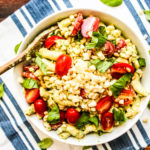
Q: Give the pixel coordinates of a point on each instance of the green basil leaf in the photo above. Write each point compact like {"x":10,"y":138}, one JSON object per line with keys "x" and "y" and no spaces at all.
{"x":86,"y":147}
{"x":79,"y":36}
{"x":142,"y":62}
{"x":30,"y":83}
{"x":112,"y":3}
{"x":45,"y":143}
{"x":120,"y":84}
{"x":113,"y":42}
{"x":17,"y":47}
{"x":102,"y":30}
{"x":94,"y":120}
{"x":119,"y":115}
{"x":99,"y":132}
{"x":102,"y":65}
{"x":40,"y":63}
{"x":1,"y":90}
{"x":53,"y":115}
{"x":147,"y":14}
{"x":83,"y":120}
{"x":148,"y":104}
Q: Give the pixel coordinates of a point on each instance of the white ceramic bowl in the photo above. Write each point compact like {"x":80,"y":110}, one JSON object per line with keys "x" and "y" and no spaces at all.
{"x":106,"y":17}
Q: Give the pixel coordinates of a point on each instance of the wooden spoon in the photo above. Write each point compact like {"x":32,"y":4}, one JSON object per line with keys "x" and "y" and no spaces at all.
{"x":36,"y":44}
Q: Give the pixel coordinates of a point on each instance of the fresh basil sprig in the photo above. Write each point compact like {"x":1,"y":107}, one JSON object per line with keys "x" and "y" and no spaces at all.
{"x":40,"y":63}
{"x":112,"y":3}
{"x":1,"y":90}
{"x":102,"y":65}
{"x":30,"y":83}
{"x":147,"y":14}
{"x":120,"y":84}
{"x":45,"y":143}
{"x":53,"y":115}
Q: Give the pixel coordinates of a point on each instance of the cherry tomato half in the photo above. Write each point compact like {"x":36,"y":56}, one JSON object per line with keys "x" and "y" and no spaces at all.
{"x":72,"y":116}
{"x":90,"y":24}
{"x":78,"y":23}
{"x":51,"y":41}
{"x":109,"y":49}
{"x":121,"y":44}
{"x":40,"y":107}
{"x":119,"y":69}
{"x":104,"y":104}
{"x":127,"y":96}
{"x":82,"y":93}
{"x":32,"y":95}
{"x":29,"y":75}
{"x":63,"y":64}
{"x":107,"y":120}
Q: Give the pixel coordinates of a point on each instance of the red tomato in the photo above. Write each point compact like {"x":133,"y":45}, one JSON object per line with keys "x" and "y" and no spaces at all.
{"x":78,"y":23}
{"x":82,"y":93}
{"x":127,"y":96}
{"x":121,"y":44}
{"x":62,"y":116}
{"x":109,"y":48}
{"x":119,"y":69}
{"x":28,"y":68}
{"x":51,"y":41}
{"x":29,"y":75}
{"x":32,"y":95}
{"x":107,"y":120}
{"x":90,"y":24}
{"x":63,"y":64}
{"x":40,"y":107}
{"x":72,"y":116}
{"x":104,"y":104}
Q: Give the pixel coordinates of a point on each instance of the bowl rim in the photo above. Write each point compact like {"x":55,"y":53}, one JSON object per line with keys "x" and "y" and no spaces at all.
{"x":94,"y":10}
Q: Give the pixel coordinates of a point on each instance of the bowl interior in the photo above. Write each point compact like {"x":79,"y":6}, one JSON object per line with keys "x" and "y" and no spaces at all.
{"x":91,"y":139}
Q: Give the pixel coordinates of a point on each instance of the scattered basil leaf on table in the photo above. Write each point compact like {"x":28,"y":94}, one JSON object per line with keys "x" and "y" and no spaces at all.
{"x":120,"y":84}
{"x":147,"y":14}
{"x":102,"y":65}
{"x":148,"y":104}
{"x":142,"y":62}
{"x":30,"y":83}
{"x":112,"y":3}
{"x":40,"y":63}
{"x":119,"y":115}
{"x":17,"y":47}
{"x":53,"y":115}
{"x":94,"y":120}
{"x":45,"y":143}
{"x":1,"y":90}
{"x":86,"y":147}
{"x":83,"y":120}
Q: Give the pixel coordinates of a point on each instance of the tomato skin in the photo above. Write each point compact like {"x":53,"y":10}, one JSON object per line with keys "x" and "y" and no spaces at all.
{"x":78,"y":23}
{"x":28,"y":68}
{"x":121,"y":44}
{"x":109,"y":49}
{"x":82,"y":93}
{"x":40,"y":107}
{"x":63,"y":64}
{"x":72,"y":116}
{"x":62,"y":116}
{"x":107,"y":120}
{"x":32,"y":95}
{"x":104,"y":104}
{"x":127,"y":96}
{"x":90,"y":24}
{"x":29,"y":75}
{"x":51,"y":41}
{"x":119,"y":69}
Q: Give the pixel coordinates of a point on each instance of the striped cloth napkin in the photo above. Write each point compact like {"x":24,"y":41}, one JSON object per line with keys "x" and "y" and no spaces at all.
{"x":16,"y":131}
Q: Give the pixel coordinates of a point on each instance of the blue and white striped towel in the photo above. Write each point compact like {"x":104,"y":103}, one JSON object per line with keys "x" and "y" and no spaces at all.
{"x":16,"y":132}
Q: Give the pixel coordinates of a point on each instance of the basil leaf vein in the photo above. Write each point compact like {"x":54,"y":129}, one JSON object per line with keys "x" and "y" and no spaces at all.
{"x":40,"y":63}
{"x":45,"y":143}
{"x":53,"y":115}
{"x":120,"y":84}
{"x":30,"y":83}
